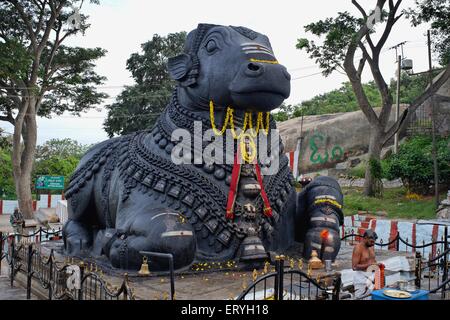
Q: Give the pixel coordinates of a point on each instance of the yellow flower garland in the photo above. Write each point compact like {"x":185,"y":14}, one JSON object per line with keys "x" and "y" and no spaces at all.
{"x":213,"y":124}
{"x":248,"y":122}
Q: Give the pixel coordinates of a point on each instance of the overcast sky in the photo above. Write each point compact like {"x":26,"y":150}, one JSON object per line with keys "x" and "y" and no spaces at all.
{"x":121,"y":26}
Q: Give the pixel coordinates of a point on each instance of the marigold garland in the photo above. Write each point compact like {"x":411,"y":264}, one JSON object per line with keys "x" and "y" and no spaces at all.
{"x":248,"y":122}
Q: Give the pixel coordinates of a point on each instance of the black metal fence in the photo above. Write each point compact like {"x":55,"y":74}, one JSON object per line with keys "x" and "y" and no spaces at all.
{"x":290,"y":285}
{"x":169,"y":257}
{"x":66,"y":280}
{"x":394,"y":243}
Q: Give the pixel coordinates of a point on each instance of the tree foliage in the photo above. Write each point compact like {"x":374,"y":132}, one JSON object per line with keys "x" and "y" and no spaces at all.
{"x":414,"y":163}
{"x":61,"y":148}
{"x":56,"y":165}
{"x":35,"y":62}
{"x":343,"y":99}
{"x":41,"y":76}
{"x":7,"y":188}
{"x":56,"y":157}
{"x":285,"y":112}
{"x":338,"y":33}
{"x":138,"y":106}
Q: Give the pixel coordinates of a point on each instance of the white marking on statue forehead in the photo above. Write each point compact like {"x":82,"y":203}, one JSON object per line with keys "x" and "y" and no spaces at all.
{"x":254,"y":44}
{"x":255,"y":47}
{"x":259,"y":51}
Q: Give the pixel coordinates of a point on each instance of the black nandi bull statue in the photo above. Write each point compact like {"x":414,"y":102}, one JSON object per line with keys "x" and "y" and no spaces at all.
{"x":127,"y":194}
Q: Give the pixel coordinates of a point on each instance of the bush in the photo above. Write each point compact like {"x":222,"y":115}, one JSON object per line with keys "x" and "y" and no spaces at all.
{"x":414,"y":164}
{"x":359,"y":171}
{"x":7,"y":187}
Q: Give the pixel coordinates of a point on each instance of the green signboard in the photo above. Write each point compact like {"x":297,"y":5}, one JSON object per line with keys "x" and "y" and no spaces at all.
{"x":50,"y":182}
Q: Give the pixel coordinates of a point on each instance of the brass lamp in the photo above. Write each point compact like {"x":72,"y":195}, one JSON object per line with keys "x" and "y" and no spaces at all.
{"x":315,"y":262}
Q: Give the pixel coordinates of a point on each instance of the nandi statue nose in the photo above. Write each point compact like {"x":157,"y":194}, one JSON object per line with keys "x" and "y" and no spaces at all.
{"x":254,"y":69}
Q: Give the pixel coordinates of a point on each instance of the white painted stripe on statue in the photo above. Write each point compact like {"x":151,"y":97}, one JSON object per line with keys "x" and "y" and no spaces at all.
{"x":326,"y":219}
{"x":255,"y":44}
{"x":256,"y":47}
{"x":260,"y":51}
{"x":165,"y":213}
{"x":254,"y":247}
{"x":182,"y":233}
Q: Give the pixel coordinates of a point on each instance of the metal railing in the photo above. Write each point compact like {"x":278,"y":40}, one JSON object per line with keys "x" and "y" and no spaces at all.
{"x":300,"y":286}
{"x":394,"y":243}
{"x":435,"y":270}
{"x":61,"y":280}
{"x":169,"y":257}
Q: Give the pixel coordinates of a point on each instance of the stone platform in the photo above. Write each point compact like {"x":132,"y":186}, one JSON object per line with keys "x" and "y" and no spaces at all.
{"x":203,"y":281}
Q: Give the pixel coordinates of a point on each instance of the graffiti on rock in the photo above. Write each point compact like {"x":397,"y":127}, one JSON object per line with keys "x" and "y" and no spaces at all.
{"x":315,"y":143}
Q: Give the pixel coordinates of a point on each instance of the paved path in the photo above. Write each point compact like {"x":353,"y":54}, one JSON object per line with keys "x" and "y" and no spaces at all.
{"x":5,"y":225}
{"x":14,"y":293}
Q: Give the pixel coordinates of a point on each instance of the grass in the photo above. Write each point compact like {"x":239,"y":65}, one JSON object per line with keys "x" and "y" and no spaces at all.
{"x":394,"y":202}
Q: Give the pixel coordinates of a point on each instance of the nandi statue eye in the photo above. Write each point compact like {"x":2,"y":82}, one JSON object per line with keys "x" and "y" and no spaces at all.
{"x":211,"y":46}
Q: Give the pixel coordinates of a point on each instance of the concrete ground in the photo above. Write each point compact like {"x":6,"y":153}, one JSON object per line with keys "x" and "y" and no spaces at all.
{"x":11,"y":293}
{"x":5,"y":226}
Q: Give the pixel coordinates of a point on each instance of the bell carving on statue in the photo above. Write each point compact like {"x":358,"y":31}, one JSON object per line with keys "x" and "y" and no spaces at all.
{"x":144,"y":271}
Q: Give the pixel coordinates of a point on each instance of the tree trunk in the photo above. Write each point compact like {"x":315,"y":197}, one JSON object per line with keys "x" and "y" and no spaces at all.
{"x":23,"y":155}
{"x":23,"y":191}
{"x":375,"y":146}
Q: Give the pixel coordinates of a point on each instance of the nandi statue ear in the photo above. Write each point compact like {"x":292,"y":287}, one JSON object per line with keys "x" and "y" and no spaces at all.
{"x":179,"y":68}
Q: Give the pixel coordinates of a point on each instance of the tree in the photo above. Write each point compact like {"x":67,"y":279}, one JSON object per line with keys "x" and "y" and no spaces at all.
{"x":58,"y":157}
{"x":5,"y":142}
{"x":41,"y":76}
{"x":338,"y":100}
{"x":343,"y":99}
{"x":285,"y":112}
{"x":412,"y":86}
{"x":138,"y":106}
{"x":438,"y":13}
{"x":344,"y":36}
{"x":6,"y":178}
{"x":414,"y":164}
{"x":61,"y":148}
{"x":56,"y":165}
